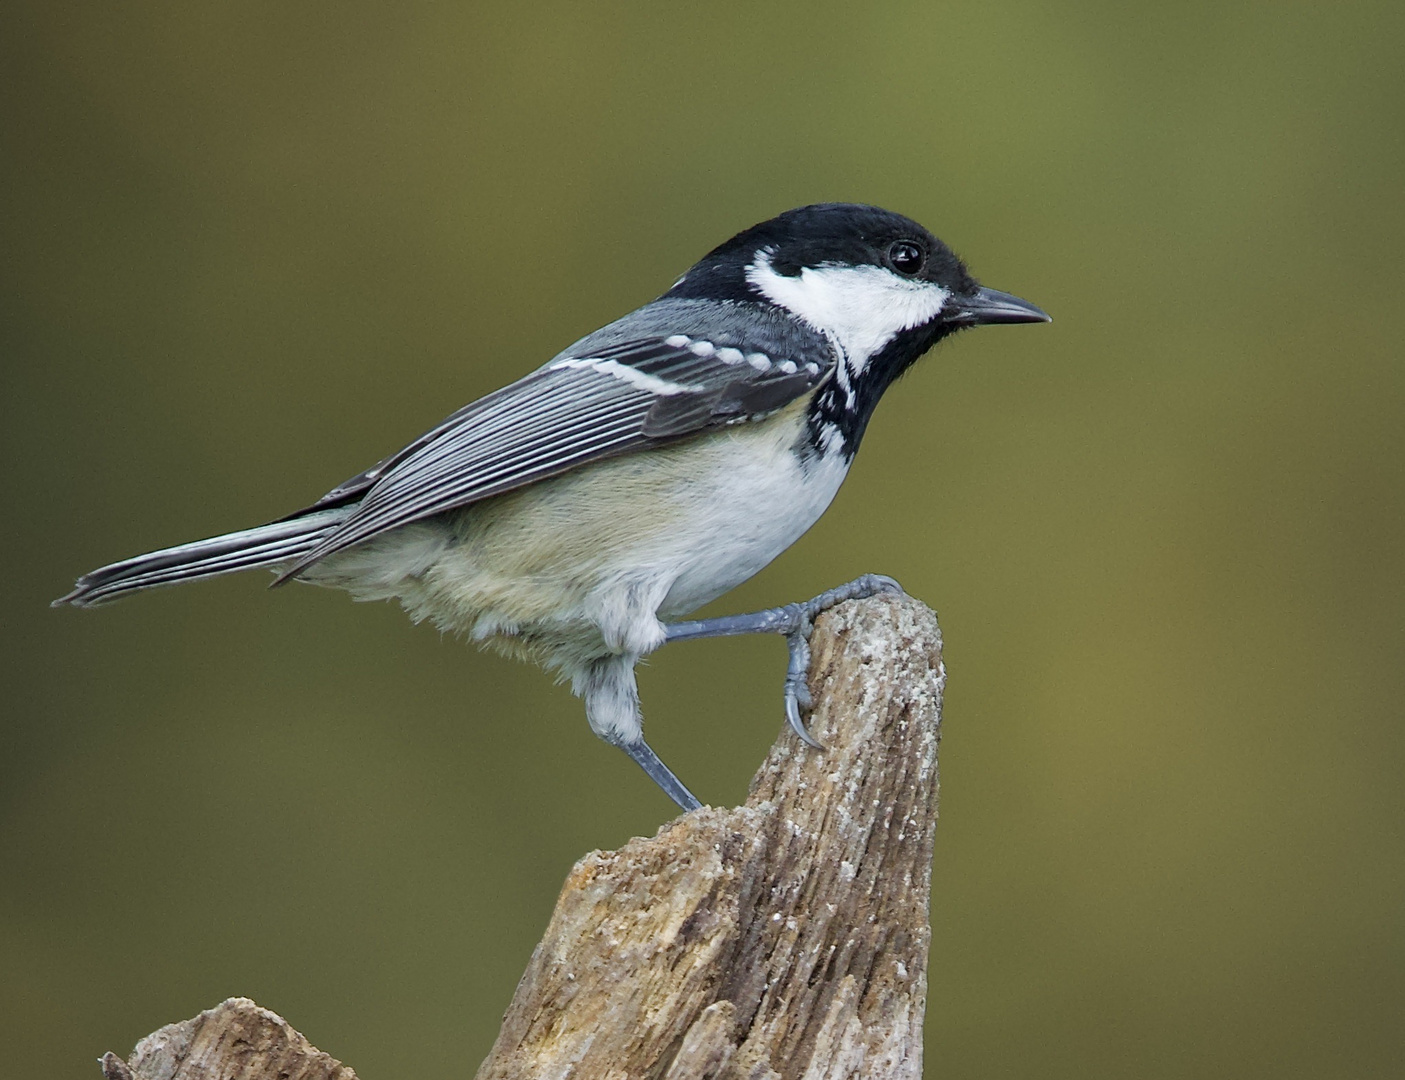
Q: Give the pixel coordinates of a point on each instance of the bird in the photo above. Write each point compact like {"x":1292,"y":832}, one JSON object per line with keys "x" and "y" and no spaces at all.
{"x":574,"y":516}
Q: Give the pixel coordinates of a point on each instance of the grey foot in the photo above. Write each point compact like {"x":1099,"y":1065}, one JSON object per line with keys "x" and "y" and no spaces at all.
{"x":796,"y":622}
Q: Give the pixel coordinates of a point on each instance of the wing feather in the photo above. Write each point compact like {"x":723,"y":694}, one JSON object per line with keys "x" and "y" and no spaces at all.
{"x":577,"y":409}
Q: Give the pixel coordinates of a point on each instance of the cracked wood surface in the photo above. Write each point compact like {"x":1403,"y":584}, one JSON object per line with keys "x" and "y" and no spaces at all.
{"x":782,"y":939}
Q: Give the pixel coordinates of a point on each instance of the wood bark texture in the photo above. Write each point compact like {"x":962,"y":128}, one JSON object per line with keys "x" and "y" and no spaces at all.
{"x":236,"y":1040}
{"x":782,"y":939}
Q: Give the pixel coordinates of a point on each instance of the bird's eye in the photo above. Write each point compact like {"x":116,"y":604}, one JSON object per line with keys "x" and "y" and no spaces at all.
{"x":906,"y":257}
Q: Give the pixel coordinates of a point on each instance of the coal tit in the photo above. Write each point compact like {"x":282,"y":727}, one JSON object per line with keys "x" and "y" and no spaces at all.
{"x":644,"y":471}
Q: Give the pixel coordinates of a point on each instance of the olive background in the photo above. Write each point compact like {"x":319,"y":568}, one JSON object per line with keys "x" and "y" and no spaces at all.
{"x":250,"y":248}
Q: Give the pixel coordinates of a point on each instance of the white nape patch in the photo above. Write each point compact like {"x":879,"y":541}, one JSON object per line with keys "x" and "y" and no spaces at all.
{"x":624,"y":373}
{"x":861,"y":308}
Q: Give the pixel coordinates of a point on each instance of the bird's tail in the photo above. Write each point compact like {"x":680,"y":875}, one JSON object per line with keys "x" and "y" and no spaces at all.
{"x":268,"y":545}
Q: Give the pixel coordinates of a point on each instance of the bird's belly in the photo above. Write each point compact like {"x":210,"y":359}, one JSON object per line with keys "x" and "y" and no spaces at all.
{"x":679,"y":525}
{"x":590,"y":560}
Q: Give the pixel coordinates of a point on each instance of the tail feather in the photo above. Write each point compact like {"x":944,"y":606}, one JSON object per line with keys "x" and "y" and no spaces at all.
{"x":267,"y":545}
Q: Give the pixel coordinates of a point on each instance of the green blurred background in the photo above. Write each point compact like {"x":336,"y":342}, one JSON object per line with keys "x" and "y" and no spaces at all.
{"x":250,"y":248}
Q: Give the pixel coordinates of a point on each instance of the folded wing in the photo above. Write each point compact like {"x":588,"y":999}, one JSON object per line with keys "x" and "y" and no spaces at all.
{"x":578,"y":409}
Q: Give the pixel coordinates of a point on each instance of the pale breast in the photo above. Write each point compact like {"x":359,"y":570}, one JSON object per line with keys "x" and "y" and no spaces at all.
{"x":756,"y":500}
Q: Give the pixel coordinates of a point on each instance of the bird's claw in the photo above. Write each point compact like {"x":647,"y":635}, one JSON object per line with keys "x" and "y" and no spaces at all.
{"x":797,"y":685}
{"x":798,"y":699}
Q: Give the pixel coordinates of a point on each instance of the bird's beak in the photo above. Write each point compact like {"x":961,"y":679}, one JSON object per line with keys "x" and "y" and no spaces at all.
{"x":993,"y":306}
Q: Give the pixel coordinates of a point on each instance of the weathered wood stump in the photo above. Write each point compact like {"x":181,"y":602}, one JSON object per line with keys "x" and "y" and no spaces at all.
{"x":784,"y":938}
{"x":236,"y":1040}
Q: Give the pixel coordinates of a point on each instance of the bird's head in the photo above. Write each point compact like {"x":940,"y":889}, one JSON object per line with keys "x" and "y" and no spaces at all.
{"x":877,"y":285}
{"x":872,"y":281}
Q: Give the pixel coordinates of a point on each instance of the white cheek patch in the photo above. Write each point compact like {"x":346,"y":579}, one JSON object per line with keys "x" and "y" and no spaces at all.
{"x":861,"y":307}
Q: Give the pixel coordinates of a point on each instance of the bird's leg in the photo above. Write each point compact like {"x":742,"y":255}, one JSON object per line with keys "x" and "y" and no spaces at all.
{"x":795,"y":621}
{"x":612,"y":708}
{"x":660,"y":774}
